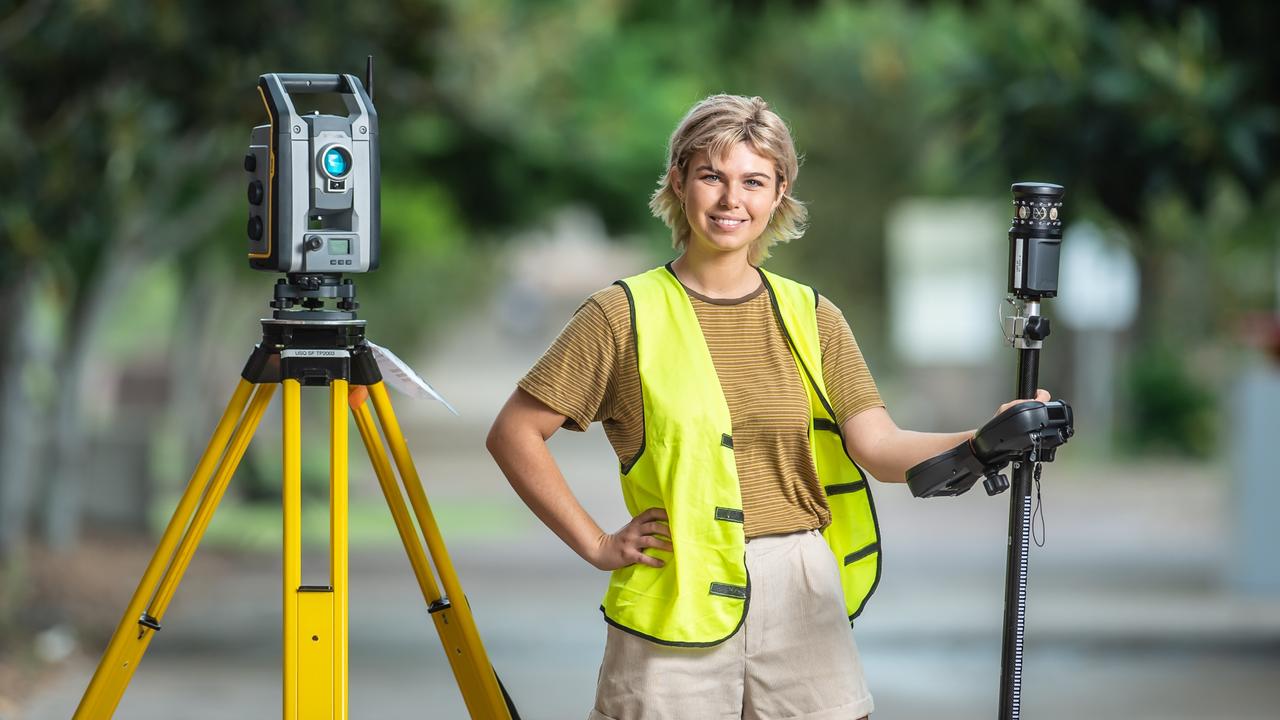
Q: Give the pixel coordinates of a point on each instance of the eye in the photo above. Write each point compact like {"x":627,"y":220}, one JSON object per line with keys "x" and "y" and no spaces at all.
{"x":711,"y":177}
{"x":755,"y":182}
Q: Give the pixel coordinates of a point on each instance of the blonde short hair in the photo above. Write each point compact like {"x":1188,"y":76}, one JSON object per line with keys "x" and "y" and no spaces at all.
{"x":716,"y":125}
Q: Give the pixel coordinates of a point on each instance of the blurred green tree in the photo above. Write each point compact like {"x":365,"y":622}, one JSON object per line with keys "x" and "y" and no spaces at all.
{"x":1163,"y":117}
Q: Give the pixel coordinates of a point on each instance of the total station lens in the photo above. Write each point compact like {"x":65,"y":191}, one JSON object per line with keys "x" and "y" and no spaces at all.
{"x":336,"y":162}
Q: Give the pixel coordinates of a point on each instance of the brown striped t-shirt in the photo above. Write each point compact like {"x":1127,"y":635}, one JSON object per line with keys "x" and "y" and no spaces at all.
{"x":590,"y":374}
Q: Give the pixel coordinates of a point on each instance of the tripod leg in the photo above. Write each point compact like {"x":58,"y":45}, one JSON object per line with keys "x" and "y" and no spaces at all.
{"x":136,"y":628}
{"x":338,"y":557}
{"x":315,"y":617}
{"x":487,"y":696}
{"x":449,"y":629}
{"x":291,"y":498}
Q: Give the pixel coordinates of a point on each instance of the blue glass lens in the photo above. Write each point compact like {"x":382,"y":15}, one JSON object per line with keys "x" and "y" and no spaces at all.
{"x":336,"y":162}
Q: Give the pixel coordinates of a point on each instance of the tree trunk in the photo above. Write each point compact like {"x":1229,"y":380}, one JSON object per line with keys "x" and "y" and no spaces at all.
{"x":60,"y":513}
{"x":143,"y":241}
{"x":18,"y":417}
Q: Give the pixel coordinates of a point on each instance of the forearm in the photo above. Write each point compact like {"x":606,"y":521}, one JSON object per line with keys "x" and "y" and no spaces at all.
{"x":525,"y":460}
{"x":899,"y":450}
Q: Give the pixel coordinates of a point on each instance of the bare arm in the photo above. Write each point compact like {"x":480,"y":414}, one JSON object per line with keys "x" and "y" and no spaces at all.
{"x":518,"y":443}
{"x":887,"y":451}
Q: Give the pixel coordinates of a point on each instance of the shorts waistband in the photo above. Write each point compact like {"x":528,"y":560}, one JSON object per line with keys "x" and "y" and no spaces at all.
{"x":765,"y":542}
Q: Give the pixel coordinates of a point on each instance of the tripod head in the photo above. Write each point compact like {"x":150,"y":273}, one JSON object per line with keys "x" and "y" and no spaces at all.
{"x":311,"y":290}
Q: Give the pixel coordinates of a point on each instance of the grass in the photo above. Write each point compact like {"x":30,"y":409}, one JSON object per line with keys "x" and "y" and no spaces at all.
{"x":245,"y":526}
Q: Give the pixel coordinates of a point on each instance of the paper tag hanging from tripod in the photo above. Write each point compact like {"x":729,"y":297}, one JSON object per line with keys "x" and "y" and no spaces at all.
{"x":402,"y":377}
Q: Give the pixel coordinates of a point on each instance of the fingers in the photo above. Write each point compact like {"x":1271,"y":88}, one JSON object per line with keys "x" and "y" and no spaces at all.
{"x":649,"y":529}
{"x":652,"y":514}
{"x":659,"y":543}
{"x":656,"y":528}
{"x":1042,"y":395}
{"x":642,"y":559}
{"x":652,"y":541}
{"x":627,"y":548}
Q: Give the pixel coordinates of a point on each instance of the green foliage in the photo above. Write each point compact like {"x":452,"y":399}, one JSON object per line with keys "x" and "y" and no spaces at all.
{"x":431,"y":271}
{"x":125,"y":122}
{"x":1174,"y":411}
{"x":1117,"y":108}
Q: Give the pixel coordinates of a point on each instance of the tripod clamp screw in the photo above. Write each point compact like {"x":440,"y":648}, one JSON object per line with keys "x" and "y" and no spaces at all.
{"x":147,"y":621}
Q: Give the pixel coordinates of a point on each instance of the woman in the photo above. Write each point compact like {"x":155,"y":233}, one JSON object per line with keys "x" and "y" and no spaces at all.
{"x":736,"y":401}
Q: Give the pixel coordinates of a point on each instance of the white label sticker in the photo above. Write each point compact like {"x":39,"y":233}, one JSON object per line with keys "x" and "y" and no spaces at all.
{"x":314,"y":353}
{"x":403,"y":378}
{"x":1017,"y":261}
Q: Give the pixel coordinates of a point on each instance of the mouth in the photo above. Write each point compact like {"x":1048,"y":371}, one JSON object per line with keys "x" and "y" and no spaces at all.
{"x":727,"y":223}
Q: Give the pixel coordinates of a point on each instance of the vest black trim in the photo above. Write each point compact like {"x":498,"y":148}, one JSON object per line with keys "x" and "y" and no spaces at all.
{"x":635,"y":342}
{"x":726,"y":440}
{"x":857,"y":555}
{"x":729,"y":515}
{"x":746,"y":605}
{"x":845,"y":488}
{"x":737,"y":592}
{"x":825,"y":424}
{"x":777,"y":312}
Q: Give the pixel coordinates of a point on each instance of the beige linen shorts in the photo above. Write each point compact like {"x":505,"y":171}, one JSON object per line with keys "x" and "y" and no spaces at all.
{"x":793,"y":657}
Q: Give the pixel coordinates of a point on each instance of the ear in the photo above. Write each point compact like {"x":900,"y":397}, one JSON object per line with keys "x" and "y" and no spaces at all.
{"x":676,"y":181}
{"x":782,"y":191}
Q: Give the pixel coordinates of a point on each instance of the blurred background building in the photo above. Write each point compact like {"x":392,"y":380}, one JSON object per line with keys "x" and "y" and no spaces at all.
{"x":521,"y":141}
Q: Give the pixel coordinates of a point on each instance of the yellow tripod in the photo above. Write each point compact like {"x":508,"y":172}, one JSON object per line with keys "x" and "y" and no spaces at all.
{"x":294,"y":353}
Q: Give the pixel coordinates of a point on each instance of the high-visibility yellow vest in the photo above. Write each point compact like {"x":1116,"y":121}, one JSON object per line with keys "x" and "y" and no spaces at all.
{"x":686,"y":466}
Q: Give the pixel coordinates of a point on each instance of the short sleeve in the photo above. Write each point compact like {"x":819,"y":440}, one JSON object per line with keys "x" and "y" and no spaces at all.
{"x":573,"y":376}
{"x":850,"y":386}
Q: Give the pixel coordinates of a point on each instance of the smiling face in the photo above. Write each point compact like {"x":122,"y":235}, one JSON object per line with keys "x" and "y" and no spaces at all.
{"x":728,"y":201}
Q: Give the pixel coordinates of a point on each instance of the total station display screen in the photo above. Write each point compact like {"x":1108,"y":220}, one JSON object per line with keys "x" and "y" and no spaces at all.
{"x":339,"y":246}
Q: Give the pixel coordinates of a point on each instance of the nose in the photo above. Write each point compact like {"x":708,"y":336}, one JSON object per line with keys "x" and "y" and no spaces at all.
{"x":729,"y":198}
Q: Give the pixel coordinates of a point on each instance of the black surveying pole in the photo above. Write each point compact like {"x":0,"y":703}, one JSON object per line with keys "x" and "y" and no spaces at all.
{"x":1035,"y":240}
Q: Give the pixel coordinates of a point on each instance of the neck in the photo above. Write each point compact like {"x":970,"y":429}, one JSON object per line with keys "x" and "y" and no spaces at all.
{"x":717,"y":275}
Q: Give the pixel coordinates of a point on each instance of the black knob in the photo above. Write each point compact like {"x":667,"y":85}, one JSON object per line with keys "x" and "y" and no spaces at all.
{"x":255,"y":228}
{"x":255,"y":192}
{"x":314,"y":243}
{"x":1037,"y":327}
{"x":250,"y":162}
{"x":996,"y":483}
